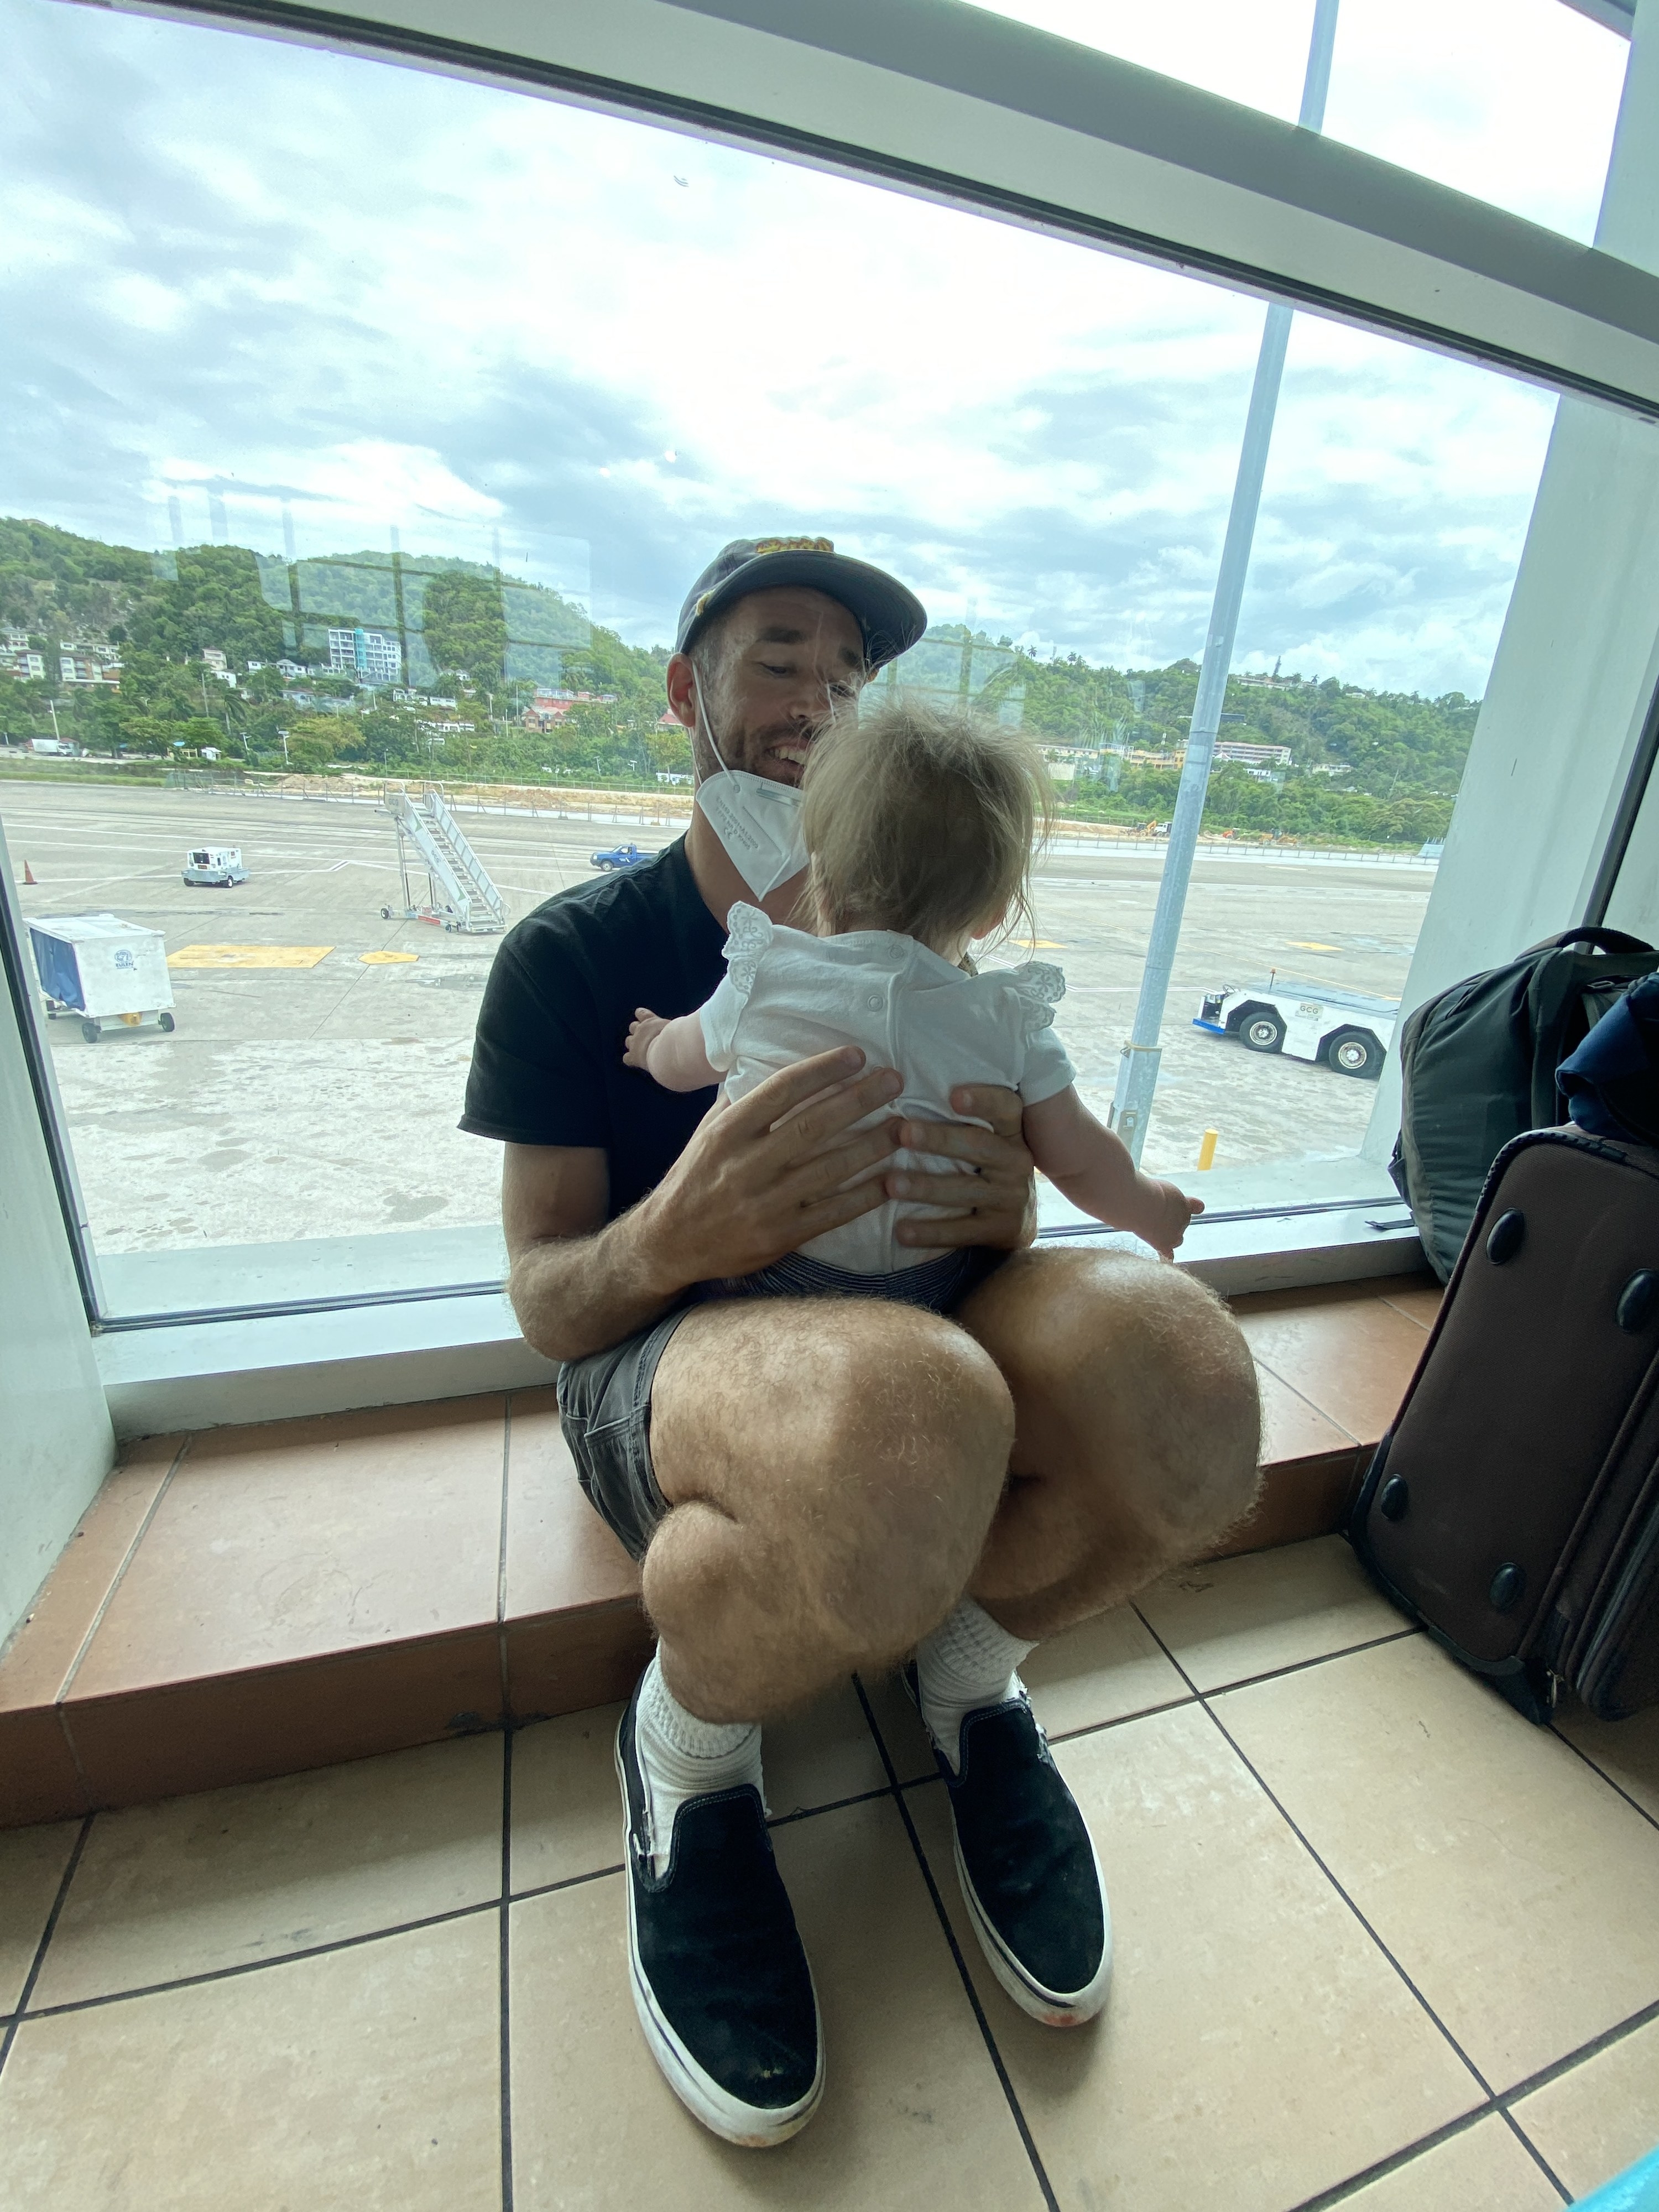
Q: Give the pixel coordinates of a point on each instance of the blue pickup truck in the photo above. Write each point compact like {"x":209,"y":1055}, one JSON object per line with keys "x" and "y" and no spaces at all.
{"x":619,"y":856}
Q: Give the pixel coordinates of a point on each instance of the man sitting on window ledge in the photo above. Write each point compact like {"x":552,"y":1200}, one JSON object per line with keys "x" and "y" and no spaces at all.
{"x":819,"y":1485}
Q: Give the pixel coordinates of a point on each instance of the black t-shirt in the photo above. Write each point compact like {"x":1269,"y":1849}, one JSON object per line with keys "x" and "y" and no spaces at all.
{"x":547,"y":1061}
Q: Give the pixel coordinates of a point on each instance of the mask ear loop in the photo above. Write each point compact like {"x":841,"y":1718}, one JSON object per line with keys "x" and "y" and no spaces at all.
{"x":707,"y":727}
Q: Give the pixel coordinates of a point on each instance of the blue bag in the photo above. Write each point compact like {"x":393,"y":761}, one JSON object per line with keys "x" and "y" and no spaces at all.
{"x":1611,"y":1083}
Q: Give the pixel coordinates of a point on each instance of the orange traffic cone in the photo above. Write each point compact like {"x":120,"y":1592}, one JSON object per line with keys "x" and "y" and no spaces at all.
{"x":28,"y":873}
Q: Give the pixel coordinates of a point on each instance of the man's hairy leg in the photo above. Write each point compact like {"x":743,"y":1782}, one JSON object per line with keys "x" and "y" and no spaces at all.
{"x":832,"y":1466}
{"x":1137,"y":1437}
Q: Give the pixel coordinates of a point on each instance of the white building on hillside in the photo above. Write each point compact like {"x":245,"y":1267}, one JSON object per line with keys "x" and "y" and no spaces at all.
{"x":368,"y":654}
{"x":1249,"y":756}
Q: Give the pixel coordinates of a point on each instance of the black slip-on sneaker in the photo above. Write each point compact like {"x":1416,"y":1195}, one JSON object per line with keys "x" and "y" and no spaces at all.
{"x":1026,"y":1861}
{"x":720,"y":1981}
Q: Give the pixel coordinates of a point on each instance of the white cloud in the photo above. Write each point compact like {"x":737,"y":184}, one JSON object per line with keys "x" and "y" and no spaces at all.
{"x":380,"y":299}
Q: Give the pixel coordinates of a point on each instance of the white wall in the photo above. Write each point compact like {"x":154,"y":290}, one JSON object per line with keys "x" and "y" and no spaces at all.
{"x":56,"y":1442}
{"x":1578,"y":658}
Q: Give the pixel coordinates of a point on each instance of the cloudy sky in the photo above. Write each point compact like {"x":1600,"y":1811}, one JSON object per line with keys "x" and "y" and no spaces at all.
{"x":314,"y":300}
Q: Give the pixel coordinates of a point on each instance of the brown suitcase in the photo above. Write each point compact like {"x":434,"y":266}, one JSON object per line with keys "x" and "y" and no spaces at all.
{"x":1513,"y":1507}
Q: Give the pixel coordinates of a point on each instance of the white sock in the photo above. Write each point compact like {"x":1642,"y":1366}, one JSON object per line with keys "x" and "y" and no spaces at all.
{"x":682,"y":1757}
{"x":966,"y":1664}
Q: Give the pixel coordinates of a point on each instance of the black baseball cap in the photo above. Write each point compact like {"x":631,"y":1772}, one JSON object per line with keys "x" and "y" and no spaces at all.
{"x":890,"y":617}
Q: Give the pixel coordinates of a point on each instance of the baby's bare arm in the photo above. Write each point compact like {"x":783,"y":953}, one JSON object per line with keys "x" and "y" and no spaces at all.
{"x":1093,"y":1168}
{"x":672,"y":1053}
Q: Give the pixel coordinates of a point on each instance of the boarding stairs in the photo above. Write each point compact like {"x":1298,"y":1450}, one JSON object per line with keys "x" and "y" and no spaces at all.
{"x":459,"y":892}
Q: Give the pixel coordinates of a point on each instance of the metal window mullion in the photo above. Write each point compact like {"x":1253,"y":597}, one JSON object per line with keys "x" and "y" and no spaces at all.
{"x":43,"y":1081}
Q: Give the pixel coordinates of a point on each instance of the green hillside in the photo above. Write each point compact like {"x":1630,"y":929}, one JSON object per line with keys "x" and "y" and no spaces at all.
{"x":1366,"y":766}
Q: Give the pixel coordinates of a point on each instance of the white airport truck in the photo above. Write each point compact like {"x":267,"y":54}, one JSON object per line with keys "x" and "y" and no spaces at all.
{"x":1348,"y":1031}
{"x":216,"y":867}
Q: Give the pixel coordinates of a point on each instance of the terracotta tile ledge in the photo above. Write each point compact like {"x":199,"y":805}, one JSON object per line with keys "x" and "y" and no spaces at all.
{"x":245,"y":1602}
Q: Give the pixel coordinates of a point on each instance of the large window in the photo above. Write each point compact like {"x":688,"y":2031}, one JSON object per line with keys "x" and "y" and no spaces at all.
{"x":368,"y":427}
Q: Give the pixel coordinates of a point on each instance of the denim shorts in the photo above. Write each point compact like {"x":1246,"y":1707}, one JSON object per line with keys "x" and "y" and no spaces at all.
{"x":604,"y":1399}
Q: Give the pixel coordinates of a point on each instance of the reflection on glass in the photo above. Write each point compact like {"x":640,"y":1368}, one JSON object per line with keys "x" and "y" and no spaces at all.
{"x":956,"y":665}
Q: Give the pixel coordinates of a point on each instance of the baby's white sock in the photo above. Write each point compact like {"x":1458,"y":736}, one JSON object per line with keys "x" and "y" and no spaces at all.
{"x":682,"y":1757}
{"x":967,"y":1663}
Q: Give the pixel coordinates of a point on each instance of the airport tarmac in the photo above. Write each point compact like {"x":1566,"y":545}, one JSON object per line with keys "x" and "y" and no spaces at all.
{"x":321,"y":1101}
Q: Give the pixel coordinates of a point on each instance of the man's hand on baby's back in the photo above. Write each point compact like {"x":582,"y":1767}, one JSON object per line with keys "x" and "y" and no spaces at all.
{"x":770,"y":1172}
{"x":997,"y":1206}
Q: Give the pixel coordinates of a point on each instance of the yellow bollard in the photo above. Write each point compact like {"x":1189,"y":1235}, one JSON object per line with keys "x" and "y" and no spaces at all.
{"x":1206,"y":1149}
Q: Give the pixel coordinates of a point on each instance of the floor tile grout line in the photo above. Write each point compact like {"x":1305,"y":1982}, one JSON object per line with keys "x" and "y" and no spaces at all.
{"x":1099,"y":1727}
{"x":1595,"y":1767}
{"x":1245,"y":1682}
{"x":1342,"y":1430}
{"x":74,"y":1750}
{"x":565,"y":1881}
{"x":1302,"y":1666}
{"x":1533,"y":2152}
{"x":1221,"y":1729}
{"x":1237,"y":1751}
{"x":1049,"y":2199}
{"x":262,"y":1966}
{"x":115,"y":1582}
{"x":1424,"y":1325}
{"x":20,"y":2012}
{"x":493,"y":1904}
{"x":1530,"y":2147}
{"x":831,"y":1805}
{"x":1585,"y":2051}
{"x":1341,"y":2191}
{"x":506,"y":1967}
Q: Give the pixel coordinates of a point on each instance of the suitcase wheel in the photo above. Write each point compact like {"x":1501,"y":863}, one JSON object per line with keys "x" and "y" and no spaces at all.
{"x":1509,"y":1233}
{"x":1393,"y":1499}
{"x":1507,"y":1585}
{"x":1637,"y":1302}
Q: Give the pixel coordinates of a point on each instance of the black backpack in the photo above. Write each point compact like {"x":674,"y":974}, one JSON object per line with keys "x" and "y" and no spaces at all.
{"x":1478,"y":1066}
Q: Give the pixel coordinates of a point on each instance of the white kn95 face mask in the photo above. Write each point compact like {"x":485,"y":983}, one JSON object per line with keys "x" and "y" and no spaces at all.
{"x":758,"y":821}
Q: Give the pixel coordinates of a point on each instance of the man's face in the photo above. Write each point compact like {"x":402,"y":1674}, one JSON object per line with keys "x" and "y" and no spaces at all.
{"x":784,"y":664}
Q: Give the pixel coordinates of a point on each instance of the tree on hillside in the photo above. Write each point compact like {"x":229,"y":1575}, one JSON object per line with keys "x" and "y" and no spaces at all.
{"x":215,"y":600}
{"x":465,"y":627}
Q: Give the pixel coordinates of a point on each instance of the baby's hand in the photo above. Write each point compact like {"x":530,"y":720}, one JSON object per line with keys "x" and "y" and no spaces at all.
{"x":1167,"y":1211}
{"x":644,"y":1026}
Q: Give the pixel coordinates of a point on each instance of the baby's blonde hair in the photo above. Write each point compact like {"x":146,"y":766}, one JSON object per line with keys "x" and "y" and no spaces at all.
{"x":922,"y":819}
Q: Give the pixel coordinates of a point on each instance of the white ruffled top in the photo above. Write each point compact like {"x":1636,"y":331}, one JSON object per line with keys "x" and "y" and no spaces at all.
{"x":786,"y":996}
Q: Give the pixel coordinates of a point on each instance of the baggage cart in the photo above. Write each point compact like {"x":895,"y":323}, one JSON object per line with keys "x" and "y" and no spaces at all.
{"x":103,"y":969}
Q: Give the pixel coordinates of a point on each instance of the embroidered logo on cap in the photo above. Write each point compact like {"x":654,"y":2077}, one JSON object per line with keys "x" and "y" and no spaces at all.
{"x":794,"y":546}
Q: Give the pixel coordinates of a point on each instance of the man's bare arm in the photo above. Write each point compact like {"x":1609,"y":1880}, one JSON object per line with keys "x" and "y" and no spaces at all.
{"x":755,"y":1181}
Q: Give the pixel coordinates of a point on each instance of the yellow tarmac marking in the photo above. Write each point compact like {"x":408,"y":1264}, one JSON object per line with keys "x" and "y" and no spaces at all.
{"x":386,"y":959}
{"x":1306,"y":945}
{"x":248,"y":956}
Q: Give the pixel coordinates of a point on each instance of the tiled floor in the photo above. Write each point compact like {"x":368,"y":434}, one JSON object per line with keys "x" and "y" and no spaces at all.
{"x":1379,"y":1942}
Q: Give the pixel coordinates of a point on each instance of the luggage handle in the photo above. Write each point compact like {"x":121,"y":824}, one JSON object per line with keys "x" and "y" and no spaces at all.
{"x":1592,"y":933}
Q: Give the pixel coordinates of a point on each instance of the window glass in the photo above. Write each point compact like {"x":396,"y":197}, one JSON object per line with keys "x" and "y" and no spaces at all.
{"x":1513,"y":101}
{"x":368,"y":428}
